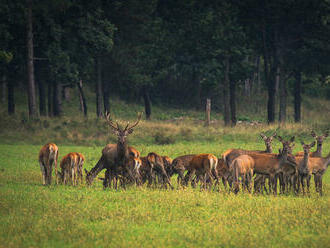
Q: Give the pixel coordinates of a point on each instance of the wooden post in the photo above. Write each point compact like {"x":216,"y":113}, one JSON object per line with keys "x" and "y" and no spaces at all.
{"x":208,"y":111}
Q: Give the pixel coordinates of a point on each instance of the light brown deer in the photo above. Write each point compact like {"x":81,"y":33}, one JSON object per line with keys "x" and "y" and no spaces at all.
{"x":203,"y":165}
{"x":69,"y":166}
{"x":48,"y":156}
{"x":242,"y":166}
{"x":81,"y":160}
{"x":319,"y":139}
{"x":115,"y":157}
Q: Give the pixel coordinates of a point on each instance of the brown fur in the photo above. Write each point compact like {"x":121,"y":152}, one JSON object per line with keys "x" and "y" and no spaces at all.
{"x":202,"y":165}
{"x":242,"y":166}
{"x":47,"y":156}
{"x":157,"y":165}
{"x":69,"y":166}
{"x":180,"y":164}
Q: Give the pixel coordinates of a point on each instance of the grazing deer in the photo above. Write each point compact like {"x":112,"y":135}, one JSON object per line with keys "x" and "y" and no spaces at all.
{"x":69,"y":166}
{"x":242,"y":166}
{"x":202,"y":165}
{"x":156,"y":163}
{"x":47,"y":156}
{"x":180,"y":164}
{"x":115,"y":157}
{"x":223,"y":172}
{"x":319,"y":140}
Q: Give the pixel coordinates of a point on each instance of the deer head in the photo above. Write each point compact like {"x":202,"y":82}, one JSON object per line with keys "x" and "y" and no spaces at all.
{"x":287,"y":145}
{"x":120,"y":132}
{"x":320,"y":138}
{"x":268,"y":141}
{"x":306,"y":147}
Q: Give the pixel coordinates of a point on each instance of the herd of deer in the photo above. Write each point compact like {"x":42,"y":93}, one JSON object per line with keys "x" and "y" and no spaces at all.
{"x":236,"y":167}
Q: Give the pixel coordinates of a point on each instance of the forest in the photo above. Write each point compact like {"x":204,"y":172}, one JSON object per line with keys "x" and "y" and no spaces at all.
{"x":165,"y":52}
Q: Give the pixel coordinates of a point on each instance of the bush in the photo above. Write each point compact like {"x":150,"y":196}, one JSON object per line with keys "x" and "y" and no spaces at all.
{"x":162,"y":138}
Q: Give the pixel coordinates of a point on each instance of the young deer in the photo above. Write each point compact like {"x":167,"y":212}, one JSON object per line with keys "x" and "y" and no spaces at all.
{"x":202,"y":165}
{"x":115,"y":157}
{"x":69,"y":166}
{"x":157,"y":165}
{"x":48,"y":156}
{"x":319,"y":140}
{"x":242,"y":166}
{"x":180,"y":164}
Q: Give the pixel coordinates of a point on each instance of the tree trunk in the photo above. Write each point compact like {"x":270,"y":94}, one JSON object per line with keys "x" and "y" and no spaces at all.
{"x":233,"y":103}
{"x":297,"y":97}
{"x":283,"y":95}
{"x":3,"y":90}
{"x":57,"y":99}
{"x":147,"y":105}
{"x":42,"y":98}
{"x":82,"y":99}
{"x":50,"y":99}
{"x":30,"y":67}
{"x":11,"y":99}
{"x":99,"y":88}
{"x":226,"y":94}
{"x":106,"y":97}
{"x":208,"y":111}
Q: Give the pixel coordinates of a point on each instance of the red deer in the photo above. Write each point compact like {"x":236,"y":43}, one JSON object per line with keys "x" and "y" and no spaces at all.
{"x":223,"y":172}
{"x":231,"y":154}
{"x":319,"y":140}
{"x":81,"y":160}
{"x":202,"y":165}
{"x":48,"y":156}
{"x":311,"y":165}
{"x":180,"y":164}
{"x":242,"y":166}
{"x":272,"y":164}
{"x":157,"y":165}
{"x":115,"y":157}
{"x":69,"y":166}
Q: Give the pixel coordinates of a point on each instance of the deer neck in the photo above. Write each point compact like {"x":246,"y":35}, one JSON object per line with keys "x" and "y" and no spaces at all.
{"x":269,"y":149}
{"x":306,"y":157}
{"x":319,"y":149}
{"x":122,"y":149}
{"x":96,"y":169}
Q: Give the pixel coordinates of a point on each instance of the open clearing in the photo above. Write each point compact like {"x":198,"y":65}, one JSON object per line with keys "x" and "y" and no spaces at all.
{"x":32,"y":215}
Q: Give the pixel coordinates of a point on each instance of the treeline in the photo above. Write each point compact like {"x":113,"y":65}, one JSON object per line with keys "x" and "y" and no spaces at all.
{"x":173,"y":52}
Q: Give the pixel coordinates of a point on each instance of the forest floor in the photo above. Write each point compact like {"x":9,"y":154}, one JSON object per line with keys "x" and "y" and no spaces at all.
{"x":32,"y":215}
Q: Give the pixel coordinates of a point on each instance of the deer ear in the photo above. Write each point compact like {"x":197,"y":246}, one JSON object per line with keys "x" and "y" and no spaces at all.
{"x":313,"y":134}
{"x":312,"y":144}
{"x":292,"y":139}
{"x":130,"y":131}
{"x":279,"y":138}
{"x":326,"y":134}
{"x":274,"y":134}
{"x":302,"y":142}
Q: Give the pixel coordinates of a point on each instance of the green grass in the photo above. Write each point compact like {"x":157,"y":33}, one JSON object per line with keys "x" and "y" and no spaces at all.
{"x":64,"y":216}
{"x":32,"y":215}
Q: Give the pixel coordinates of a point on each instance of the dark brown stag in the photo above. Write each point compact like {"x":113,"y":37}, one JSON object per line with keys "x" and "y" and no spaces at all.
{"x":115,"y":157}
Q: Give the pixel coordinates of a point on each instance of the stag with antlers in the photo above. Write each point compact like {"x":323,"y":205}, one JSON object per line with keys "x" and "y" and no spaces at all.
{"x":116,"y":157}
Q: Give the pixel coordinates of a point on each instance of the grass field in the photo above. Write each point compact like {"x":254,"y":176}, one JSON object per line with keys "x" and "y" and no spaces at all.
{"x":64,"y":216}
{"x":32,"y":215}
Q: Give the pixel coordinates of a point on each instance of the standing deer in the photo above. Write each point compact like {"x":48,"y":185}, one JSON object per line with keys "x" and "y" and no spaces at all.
{"x":69,"y":166}
{"x":47,"y":156}
{"x":156,"y":163}
{"x":242,"y":166}
{"x":180,"y":164}
{"x":202,"y":165}
{"x":81,"y":160}
{"x":115,"y":157}
{"x":319,"y":140}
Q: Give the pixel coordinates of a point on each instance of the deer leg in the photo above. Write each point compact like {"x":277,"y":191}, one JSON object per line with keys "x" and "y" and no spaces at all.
{"x":302,"y":184}
{"x":320,"y":184}
{"x":43,"y":173}
{"x":308,"y":180}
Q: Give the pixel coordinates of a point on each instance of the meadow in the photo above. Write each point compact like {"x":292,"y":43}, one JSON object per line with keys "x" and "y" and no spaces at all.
{"x":32,"y":215}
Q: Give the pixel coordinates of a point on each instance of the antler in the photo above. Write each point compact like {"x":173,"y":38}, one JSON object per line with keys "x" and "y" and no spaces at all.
{"x":111,"y":124}
{"x":137,"y":122}
{"x":263,"y":136}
